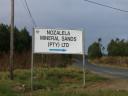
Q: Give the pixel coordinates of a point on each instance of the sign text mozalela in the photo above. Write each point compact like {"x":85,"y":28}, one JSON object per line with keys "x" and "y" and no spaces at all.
{"x":58,"y":35}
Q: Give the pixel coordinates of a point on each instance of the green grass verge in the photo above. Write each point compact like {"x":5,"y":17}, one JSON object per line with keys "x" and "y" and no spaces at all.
{"x":53,"y":82}
{"x":81,"y":93}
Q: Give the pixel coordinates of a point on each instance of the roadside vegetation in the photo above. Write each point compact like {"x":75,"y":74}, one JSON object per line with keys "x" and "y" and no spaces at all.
{"x":111,"y":61}
{"x":116,"y":53}
{"x":58,"y":82}
{"x":46,"y":80}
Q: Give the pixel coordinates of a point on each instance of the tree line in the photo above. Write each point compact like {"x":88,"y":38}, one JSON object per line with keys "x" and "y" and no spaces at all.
{"x":22,"y":39}
{"x":116,"y":47}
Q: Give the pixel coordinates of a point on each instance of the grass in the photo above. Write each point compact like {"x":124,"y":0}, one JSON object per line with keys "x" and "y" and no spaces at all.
{"x":54,"y":82}
{"x":82,"y":93}
{"x":112,"y":61}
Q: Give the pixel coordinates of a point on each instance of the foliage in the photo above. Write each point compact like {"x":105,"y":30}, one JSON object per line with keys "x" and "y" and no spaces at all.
{"x":56,"y":82}
{"x":4,"y":38}
{"x":22,"y":47}
{"x":22,"y":39}
{"x":94,"y":50}
{"x":47,"y":82}
{"x":118,"y":48}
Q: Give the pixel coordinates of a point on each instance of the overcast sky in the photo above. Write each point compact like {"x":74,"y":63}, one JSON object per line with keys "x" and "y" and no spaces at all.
{"x":97,"y":21}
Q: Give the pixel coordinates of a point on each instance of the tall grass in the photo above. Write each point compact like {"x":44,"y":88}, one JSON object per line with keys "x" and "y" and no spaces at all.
{"x":112,"y":61}
{"x":45,"y":79}
{"x":53,"y":82}
{"x":21,"y":60}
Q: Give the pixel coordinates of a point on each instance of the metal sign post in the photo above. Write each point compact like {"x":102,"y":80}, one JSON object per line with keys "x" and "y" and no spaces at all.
{"x":83,"y":58}
{"x":32,"y":63}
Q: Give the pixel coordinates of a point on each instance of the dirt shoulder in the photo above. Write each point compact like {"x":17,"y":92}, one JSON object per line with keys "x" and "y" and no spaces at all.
{"x":119,"y":84}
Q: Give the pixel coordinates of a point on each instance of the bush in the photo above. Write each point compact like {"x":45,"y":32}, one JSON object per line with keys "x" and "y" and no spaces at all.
{"x":94,"y":51}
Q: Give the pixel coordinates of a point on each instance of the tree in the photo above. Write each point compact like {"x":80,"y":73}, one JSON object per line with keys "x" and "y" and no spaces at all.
{"x":22,"y":40}
{"x":4,"y":38}
{"x":94,"y":51}
{"x":99,"y":40}
{"x":118,"y":47}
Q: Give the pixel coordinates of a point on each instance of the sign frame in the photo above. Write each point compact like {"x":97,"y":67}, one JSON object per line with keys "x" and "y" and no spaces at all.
{"x":58,"y":48}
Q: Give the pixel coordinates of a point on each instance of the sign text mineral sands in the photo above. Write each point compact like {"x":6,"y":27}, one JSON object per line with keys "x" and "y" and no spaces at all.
{"x":58,"y":41}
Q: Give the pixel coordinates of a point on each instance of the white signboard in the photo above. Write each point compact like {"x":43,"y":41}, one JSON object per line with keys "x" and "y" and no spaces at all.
{"x":58,"y":41}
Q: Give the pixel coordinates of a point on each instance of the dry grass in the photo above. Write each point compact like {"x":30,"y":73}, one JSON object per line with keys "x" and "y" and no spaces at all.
{"x":21,"y":60}
{"x":112,"y":61}
{"x":119,"y":84}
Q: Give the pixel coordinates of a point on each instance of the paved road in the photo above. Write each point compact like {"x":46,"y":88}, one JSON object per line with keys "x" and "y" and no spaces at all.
{"x":123,"y":73}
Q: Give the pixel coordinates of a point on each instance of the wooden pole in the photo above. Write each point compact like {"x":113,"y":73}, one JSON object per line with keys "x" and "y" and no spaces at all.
{"x":12,"y":41}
